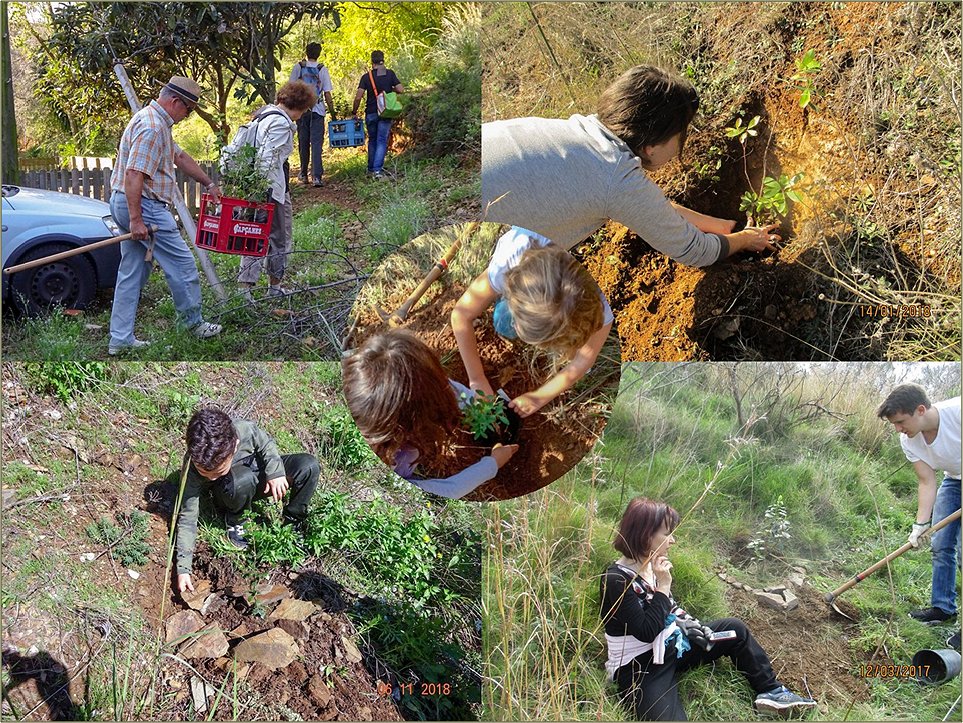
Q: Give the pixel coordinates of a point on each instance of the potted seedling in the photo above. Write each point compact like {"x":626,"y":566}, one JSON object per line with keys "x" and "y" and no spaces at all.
{"x":490,"y":420}
{"x":243,"y":177}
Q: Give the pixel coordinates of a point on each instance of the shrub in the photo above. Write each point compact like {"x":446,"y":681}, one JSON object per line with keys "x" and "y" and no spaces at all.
{"x":67,"y":379}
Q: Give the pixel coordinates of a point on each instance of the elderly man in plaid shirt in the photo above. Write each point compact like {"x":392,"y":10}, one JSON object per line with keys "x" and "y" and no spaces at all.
{"x":142,"y":188}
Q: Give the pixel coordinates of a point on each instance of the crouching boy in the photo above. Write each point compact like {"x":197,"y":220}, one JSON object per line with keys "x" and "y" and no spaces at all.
{"x":239,"y":463}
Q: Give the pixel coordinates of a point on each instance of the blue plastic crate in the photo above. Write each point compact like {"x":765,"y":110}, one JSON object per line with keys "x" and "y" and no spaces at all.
{"x":346,"y":133}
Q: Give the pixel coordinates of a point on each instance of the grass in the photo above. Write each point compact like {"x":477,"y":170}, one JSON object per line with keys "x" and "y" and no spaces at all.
{"x":671,"y":437}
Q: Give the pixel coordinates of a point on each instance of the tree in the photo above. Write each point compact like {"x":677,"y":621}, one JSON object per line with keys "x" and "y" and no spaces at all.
{"x":230,"y":48}
{"x":11,"y":162}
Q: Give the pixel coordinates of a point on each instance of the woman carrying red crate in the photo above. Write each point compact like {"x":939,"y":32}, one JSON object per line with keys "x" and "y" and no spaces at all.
{"x":274,"y":141}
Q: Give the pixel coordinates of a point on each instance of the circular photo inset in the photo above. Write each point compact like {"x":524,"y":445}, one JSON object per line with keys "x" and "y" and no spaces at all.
{"x":482,"y":361}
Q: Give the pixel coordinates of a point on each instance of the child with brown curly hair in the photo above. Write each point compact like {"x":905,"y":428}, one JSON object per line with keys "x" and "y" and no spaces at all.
{"x":407,"y":408}
{"x":542,"y":296}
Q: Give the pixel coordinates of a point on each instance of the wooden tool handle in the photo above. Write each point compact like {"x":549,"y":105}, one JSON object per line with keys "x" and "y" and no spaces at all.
{"x":890,"y":557}
{"x":71,"y":252}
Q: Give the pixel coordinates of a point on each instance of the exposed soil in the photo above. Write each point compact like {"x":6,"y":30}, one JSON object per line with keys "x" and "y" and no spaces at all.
{"x":551,"y":441}
{"x":809,"y":646}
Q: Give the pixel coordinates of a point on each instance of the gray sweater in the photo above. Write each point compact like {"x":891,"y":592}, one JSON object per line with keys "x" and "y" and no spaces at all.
{"x":565,"y":179}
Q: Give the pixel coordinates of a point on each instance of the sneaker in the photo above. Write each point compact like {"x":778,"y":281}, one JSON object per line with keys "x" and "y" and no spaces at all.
{"x":932,"y":616}
{"x":246,"y":294}
{"x":303,"y":180}
{"x":235,"y":535}
{"x":378,"y":175}
{"x":782,"y":702}
{"x":278,"y":292}
{"x":318,"y":183}
{"x":954,"y":641}
{"x":207,"y":329}
{"x":114,"y":350}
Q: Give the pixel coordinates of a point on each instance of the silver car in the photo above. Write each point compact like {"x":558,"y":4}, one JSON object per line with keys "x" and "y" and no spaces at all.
{"x":42,"y":223}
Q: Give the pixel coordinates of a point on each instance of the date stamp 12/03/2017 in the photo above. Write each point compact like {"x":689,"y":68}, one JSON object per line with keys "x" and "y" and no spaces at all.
{"x":892,"y":670}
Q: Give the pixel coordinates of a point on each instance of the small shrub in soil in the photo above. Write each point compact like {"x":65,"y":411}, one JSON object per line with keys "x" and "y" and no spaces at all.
{"x":128,"y":542}
{"x":490,"y":420}
{"x":65,"y":379}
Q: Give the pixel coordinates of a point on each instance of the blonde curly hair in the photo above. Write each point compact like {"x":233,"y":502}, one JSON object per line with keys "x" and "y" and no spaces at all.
{"x":555,"y":302}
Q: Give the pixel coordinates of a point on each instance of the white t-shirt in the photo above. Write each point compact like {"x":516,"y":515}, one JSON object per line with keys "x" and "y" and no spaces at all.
{"x":297,"y":73}
{"x":508,"y":252}
{"x":944,"y":453}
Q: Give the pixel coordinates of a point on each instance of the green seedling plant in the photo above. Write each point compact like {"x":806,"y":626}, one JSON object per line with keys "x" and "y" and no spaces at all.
{"x":806,"y":67}
{"x":128,"y":541}
{"x":770,"y":539}
{"x":483,"y":414}
{"x":774,"y":196}
{"x":243,"y":176}
{"x":743,"y":132}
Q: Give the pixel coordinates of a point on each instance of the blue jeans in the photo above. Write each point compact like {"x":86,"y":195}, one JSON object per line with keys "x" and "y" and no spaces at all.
{"x":503,"y":321}
{"x":378,"y":130}
{"x":946,"y":546}
{"x":310,"y":141}
{"x":174,"y":258}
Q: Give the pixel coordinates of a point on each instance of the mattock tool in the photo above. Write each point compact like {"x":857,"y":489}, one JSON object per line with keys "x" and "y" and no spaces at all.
{"x":859,"y":577}
{"x":84,"y":249}
{"x":397,"y":318}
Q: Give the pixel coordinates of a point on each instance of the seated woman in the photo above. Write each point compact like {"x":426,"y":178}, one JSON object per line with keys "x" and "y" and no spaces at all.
{"x":651,"y":640}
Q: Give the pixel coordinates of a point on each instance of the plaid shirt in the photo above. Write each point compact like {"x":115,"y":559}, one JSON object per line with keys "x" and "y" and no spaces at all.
{"x":147,"y":146}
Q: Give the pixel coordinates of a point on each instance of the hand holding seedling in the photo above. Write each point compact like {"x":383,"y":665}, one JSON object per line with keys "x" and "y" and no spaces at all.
{"x":482,"y":385}
{"x":184,"y":583}
{"x":754,"y":238}
{"x":276,"y":488}
{"x":503,"y":452}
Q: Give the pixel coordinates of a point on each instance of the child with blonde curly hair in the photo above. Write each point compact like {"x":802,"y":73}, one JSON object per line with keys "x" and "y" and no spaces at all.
{"x":545,"y":298}
{"x":407,"y":408}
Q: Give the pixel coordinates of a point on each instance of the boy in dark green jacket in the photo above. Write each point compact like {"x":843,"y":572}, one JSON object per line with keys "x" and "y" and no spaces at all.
{"x":239,"y":463}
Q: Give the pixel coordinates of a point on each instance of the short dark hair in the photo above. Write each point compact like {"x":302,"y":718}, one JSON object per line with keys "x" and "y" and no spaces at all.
{"x":640,"y":521}
{"x":313,"y":51}
{"x":646,"y":106}
{"x":297,"y":95}
{"x":377,"y":56}
{"x":905,"y":399}
{"x":211,"y":437}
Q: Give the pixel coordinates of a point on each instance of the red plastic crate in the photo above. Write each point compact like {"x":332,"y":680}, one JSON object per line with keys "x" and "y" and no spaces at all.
{"x":234,"y":226}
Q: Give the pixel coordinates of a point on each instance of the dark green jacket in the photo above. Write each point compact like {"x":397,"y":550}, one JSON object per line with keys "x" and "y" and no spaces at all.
{"x":252,"y":441}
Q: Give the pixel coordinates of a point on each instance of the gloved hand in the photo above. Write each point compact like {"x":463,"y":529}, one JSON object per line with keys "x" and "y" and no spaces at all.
{"x":918,"y":529}
{"x":696,"y":632}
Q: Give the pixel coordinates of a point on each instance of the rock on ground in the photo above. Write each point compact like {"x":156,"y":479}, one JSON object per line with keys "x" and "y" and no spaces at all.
{"x":274,"y":649}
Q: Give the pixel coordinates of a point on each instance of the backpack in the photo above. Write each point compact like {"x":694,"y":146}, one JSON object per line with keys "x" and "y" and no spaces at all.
{"x":246,"y":135}
{"x":312,"y":76}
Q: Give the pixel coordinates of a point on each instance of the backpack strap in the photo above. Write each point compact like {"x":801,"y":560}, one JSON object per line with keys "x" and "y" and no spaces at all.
{"x":258,"y":118}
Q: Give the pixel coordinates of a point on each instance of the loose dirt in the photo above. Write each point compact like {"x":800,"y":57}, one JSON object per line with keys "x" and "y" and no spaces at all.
{"x":809,"y":646}
{"x":551,"y":441}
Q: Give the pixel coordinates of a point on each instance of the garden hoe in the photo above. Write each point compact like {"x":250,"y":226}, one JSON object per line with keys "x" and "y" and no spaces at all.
{"x":831,"y":596}
{"x":82,"y":250}
{"x":397,"y":318}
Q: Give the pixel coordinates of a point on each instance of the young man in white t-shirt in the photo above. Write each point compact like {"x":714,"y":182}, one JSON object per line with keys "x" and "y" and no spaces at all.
{"x":311,"y":125}
{"x":930,"y":437}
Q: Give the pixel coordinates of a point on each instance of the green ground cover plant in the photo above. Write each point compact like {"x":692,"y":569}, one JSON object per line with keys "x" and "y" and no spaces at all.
{"x":741,"y":452}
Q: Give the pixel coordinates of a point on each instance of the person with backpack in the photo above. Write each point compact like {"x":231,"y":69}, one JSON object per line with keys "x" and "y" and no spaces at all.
{"x":376,"y":81}
{"x":311,"y":126}
{"x":271,"y":132}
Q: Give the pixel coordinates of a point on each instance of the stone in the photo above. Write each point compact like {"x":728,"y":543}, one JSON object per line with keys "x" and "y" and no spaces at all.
{"x":200,"y":692}
{"x":776,"y":590}
{"x":133,"y":574}
{"x":351,"y":651}
{"x":291,"y":609}
{"x":212,"y":603}
{"x":365,"y":714}
{"x":9,"y":497}
{"x":767,"y":599}
{"x":796,"y":579}
{"x":182,"y":624}
{"x":319,"y":692}
{"x":791,"y":601}
{"x":295,"y":628}
{"x":209,"y":643}
{"x":240,"y":631}
{"x":274,"y":649}
{"x":195,"y":600}
{"x":269,"y":594}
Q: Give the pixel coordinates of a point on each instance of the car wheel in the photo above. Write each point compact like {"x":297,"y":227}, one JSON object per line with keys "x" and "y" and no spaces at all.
{"x":70,"y":283}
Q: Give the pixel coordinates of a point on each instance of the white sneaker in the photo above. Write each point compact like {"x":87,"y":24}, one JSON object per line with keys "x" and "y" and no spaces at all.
{"x":279,"y":291}
{"x":120,"y":349}
{"x":207,"y":329}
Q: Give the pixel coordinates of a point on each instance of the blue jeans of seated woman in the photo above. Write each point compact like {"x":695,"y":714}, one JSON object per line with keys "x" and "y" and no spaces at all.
{"x":503,"y":320}
{"x":378,"y":130}
{"x":946,"y":546}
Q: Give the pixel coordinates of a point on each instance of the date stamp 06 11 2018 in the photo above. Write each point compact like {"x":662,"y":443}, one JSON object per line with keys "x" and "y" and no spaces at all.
{"x":892,"y":670}
{"x":422,"y":689}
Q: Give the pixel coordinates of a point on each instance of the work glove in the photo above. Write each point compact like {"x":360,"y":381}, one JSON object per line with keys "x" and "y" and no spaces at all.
{"x":696,"y":632}
{"x":918,"y":529}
